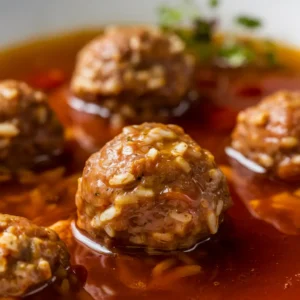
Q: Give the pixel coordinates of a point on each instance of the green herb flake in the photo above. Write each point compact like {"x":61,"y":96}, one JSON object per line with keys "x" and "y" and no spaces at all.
{"x":213,"y":3}
{"x":236,"y":55}
{"x":169,"y":16}
{"x":248,"y":22}
{"x":271,"y":59}
{"x":203,"y":30}
{"x":270,"y":54}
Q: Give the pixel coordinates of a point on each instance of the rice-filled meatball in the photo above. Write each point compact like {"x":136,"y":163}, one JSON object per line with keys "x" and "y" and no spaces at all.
{"x":152,"y":186}
{"x":29,"y":255}
{"x":29,"y":130}
{"x":136,"y":73}
{"x":269,"y":134}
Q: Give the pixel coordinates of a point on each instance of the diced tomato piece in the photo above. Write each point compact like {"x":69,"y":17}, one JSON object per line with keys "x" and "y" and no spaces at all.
{"x":47,"y":80}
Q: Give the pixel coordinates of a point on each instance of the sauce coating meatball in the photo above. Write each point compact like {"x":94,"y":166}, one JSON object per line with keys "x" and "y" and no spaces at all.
{"x":29,"y":130}
{"x":152,"y":186}
{"x":29,"y":255}
{"x":136,"y":73}
{"x":269,"y":134}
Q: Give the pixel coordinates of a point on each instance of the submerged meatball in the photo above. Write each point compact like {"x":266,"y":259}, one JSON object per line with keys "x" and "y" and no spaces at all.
{"x":29,"y":255}
{"x":136,"y":73}
{"x":152,"y":186}
{"x":29,"y":130}
{"x":269,"y":134}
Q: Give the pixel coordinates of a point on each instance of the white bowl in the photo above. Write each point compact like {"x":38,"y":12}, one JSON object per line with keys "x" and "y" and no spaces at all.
{"x":26,"y":19}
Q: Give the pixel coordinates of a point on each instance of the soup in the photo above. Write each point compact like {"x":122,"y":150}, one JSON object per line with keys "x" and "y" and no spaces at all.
{"x":247,"y":258}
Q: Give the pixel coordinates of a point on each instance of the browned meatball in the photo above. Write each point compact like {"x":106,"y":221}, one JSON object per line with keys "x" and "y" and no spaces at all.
{"x":29,"y":131}
{"x":269,"y":134}
{"x":29,"y":255}
{"x":152,"y":186}
{"x":137,"y":73}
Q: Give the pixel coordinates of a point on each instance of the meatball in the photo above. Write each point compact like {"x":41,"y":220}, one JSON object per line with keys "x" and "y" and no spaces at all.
{"x":29,"y":130}
{"x":136,"y":73}
{"x":152,"y":186}
{"x":269,"y":134}
{"x":29,"y":255}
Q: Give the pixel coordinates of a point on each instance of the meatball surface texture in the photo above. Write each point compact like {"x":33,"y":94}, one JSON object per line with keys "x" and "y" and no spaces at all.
{"x":269,"y":134}
{"x":135,"y":72}
{"x":29,"y":255}
{"x":29,"y":130}
{"x":152,"y":186}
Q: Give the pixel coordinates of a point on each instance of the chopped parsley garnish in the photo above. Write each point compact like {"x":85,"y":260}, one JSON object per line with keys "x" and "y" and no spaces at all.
{"x":169,"y":16}
{"x":213,"y":3}
{"x":236,"y":55}
{"x":203,"y":30}
{"x":248,"y":22}
{"x":198,"y":33}
{"x":271,"y":58}
{"x":270,"y":53}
